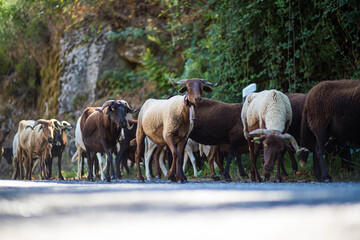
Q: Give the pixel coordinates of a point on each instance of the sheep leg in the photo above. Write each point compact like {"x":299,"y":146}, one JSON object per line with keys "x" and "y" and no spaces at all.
{"x":189,"y":154}
{"x":148,"y":155}
{"x":214,"y":155}
{"x":109,"y":163}
{"x":90,"y":157}
{"x":101,"y":165}
{"x":156,"y":158}
{"x":124,"y":162}
{"x":140,"y":137}
{"x":234,"y":149}
{"x":292,"y":157}
{"x":211,"y":163}
{"x":186,"y":159}
{"x":279,"y":165}
{"x":255,"y":176}
{"x":59,"y":157}
{"x":321,"y":138}
{"x":118,"y":159}
{"x":49,"y":161}
{"x":179,"y":171}
{"x":162,"y":164}
{"x":16,"y":168}
{"x":174,"y":152}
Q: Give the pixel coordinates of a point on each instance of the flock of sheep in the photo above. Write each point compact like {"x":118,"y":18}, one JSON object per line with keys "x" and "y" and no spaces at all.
{"x":268,"y":120}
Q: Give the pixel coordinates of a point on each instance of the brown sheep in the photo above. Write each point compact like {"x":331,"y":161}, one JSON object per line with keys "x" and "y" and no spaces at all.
{"x":332,"y":109}
{"x":101,"y":130}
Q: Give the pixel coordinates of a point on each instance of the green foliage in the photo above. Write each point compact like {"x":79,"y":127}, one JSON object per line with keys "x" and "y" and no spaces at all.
{"x":288,"y":45}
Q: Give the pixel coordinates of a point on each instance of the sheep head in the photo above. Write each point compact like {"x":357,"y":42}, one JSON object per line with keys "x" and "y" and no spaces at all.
{"x":117,"y":111}
{"x":193,"y":88}
{"x":274,"y":143}
{"x":47,"y":128}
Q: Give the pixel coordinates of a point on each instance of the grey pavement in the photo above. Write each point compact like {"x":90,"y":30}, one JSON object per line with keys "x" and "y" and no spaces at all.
{"x":127,"y":209}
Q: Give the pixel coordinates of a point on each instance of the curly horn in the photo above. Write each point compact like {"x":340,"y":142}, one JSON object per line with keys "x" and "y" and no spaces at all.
{"x":66,"y":124}
{"x":180,"y":82}
{"x":132,"y":111}
{"x":209,"y":83}
{"x":291,"y":139}
{"x":40,"y":121}
{"x":260,"y":131}
{"x":106,"y":104}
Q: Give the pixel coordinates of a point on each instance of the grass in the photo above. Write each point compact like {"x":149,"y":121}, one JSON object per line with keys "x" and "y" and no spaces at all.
{"x":304,"y":174}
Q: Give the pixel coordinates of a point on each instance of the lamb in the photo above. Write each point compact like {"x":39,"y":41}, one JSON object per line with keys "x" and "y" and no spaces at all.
{"x":169,"y":122}
{"x":101,"y":131}
{"x":332,"y":109}
{"x":33,"y":141}
{"x":80,"y":148}
{"x":267,"y":115}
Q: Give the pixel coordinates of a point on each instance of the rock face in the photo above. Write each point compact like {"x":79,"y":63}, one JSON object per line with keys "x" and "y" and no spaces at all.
{"x":85,"y":55}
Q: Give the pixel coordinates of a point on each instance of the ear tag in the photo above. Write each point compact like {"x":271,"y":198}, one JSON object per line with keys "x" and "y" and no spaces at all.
{"x":192,"y":113}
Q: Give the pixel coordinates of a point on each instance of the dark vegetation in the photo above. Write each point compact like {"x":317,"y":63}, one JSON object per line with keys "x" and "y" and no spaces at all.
{"x":288,"y":45}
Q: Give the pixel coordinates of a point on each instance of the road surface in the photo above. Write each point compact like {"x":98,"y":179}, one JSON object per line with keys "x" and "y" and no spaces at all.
{"x":127,"y":209}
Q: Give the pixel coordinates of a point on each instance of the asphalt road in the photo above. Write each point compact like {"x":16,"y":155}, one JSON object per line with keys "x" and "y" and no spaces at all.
{"x":127,"y":209}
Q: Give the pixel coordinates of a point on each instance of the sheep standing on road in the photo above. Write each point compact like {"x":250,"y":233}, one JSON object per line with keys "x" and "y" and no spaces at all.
{"x":332,"y":109}
{"x":267,"y":115}
{"x":219,"y":123}
{"x":169,"y":122}
{"x":80,"y":148}
{"x":58,"y":146}
{"x":101,"y":131}
{"x":34,"y":140}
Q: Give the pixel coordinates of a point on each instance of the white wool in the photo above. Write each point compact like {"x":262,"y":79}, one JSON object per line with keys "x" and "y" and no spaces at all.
{"x":164,"y":117}
{"x":268,"y":109}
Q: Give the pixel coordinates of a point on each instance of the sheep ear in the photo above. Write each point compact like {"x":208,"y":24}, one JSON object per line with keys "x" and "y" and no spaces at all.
{"x":207,"y":89}
{"x":183,"y":89}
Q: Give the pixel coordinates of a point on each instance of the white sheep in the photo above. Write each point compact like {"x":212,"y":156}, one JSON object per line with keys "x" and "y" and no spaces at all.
{"x":267,"y":115}
{"x":169,"y":122}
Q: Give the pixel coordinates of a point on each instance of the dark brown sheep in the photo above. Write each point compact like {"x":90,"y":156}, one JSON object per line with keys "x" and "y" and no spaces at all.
{"x":58,"y":146}
{"x":220,"y":123}
{"x":101,"y":130}
{"x":125,"y":148}
{"x":332,"y":109}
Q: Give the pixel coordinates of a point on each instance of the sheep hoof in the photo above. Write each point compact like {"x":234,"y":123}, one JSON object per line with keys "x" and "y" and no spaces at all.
{"x":173,"y":179}
{"x":244,"y":174}
{"x":216,"y":178}
{"x":113,"y":177}
{"x":183,"y":181}
{"x":228,"y":179}
{"x":141,"y":179}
